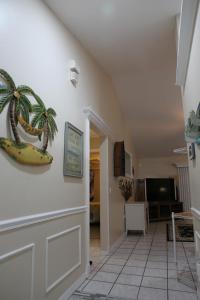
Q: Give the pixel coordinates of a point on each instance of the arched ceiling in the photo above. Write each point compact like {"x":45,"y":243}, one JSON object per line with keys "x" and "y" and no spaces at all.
{"x":134,"y":41}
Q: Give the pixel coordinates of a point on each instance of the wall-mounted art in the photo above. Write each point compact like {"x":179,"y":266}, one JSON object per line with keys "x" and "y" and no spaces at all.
{"x":73,"y":151}
{"x":34,"y":119}
{"x":192,"y":130}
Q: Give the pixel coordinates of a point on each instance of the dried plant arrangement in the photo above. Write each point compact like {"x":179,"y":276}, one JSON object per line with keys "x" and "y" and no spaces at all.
{"x":126,"y":187}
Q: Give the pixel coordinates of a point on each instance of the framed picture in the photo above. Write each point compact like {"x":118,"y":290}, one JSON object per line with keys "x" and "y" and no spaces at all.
{"x":192,"y":154}
{"x":73,"y":151}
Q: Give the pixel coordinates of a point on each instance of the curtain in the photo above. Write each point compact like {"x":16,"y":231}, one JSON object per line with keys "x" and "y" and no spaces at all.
{"x":184,"y":187}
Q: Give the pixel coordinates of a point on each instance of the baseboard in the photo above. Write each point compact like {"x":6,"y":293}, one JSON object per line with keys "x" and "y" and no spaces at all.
{"x":117,"y":242}
{"x":73,"y":287}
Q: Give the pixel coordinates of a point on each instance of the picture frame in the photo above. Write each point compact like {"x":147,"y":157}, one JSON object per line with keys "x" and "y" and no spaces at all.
{"x":191,"y":150}
{"x":73,"y":151}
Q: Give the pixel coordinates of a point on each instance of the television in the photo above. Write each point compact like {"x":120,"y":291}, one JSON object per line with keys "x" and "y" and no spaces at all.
{"x":160,"y":189}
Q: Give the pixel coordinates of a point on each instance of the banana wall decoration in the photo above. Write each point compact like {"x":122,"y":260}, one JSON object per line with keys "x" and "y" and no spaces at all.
{"x":42,"y":123}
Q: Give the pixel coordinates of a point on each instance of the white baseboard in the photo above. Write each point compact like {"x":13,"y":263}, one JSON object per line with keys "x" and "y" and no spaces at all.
{"x":117,"y":242}
{"x":67,"y":294}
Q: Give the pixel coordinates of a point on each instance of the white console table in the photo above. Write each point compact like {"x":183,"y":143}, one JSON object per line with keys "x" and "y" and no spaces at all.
{"x":137,"y":216}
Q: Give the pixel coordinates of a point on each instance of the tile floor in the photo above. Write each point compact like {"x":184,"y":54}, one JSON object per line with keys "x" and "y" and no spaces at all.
{"x":142,"y":268}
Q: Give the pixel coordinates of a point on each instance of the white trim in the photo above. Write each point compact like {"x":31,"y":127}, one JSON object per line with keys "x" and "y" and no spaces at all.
{"x":117,"y":242}
{"x":87,"y":193}
{"x":195,"y":212}
{"x":185,"y":38}
{"x":95,"y":119}
{"x":67,"y":294}
{"x":197,"y":240}
{"x":61,"y":278}
{"x":98,"y":122}
{"x":24,"y":221}
{"x":95,"y":150}
{"x":17,"y":252}
{"x":104,"y":196}
{"x":197,"y":244}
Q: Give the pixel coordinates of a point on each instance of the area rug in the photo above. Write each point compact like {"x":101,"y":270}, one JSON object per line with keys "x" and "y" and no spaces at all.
{"x":184,"y":232}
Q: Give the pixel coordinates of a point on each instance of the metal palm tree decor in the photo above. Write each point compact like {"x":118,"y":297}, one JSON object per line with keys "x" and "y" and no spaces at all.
{"x":192,"y":130}
{"x":44,"y":119}
{"x":19,"y":110}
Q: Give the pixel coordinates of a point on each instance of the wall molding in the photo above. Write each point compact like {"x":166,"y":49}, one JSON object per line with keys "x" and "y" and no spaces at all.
{"x":197,"y":240}
{"x":18,"y":251}
{"x":185,"y":38}
{"x":195,"y":212}
{"x":62,"y":277}
{"x":197,"y":244}
{"x":99,"y":122}
{"x":24,"y":221}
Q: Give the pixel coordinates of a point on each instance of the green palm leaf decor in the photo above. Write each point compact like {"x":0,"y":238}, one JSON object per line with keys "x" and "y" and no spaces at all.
{"x":46,"y":118}
{"x":20,"y":109}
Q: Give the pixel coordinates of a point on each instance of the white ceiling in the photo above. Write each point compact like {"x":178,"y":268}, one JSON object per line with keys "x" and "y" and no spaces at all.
{"x":134,"y":41}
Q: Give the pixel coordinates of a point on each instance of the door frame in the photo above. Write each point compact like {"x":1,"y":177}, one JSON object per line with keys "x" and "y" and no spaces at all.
{"x":93,"y":118}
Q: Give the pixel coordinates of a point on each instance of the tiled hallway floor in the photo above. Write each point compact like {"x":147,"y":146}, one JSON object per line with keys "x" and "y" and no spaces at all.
{"x":142,"y":268}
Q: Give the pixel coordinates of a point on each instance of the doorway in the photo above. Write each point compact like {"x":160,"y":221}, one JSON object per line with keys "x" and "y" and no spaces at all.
{"x":95,"y":203}
{"x":99,"y":152}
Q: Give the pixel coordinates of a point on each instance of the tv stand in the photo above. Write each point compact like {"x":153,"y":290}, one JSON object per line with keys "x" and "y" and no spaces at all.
{"x":160,"y":211}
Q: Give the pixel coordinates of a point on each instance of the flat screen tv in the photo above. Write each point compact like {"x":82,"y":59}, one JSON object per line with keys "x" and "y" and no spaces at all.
{"x":160,"y":189}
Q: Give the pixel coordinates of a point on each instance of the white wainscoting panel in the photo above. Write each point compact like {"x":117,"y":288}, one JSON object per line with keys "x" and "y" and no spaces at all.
{"x":10,"y":255}
{"x":196,"y":213}
{"x":197,"y":242}
{"x":77,"y":264}
{"x":10,"y":224}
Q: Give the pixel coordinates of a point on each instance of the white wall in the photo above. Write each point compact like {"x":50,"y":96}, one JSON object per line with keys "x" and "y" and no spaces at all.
{"x":191,"y":98}
{"x":35,"y":49}
{"x":160,"y":166}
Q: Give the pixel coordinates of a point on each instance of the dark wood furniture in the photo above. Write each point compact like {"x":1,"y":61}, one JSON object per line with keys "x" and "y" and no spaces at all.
{"x":159,"y":211}
{"x":119,"y":159}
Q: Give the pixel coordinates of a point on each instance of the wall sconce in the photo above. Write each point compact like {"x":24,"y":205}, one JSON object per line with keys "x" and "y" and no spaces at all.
{"x":74,"y":73}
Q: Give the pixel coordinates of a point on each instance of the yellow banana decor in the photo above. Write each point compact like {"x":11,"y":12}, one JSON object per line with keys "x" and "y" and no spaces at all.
{"x":25,"y":153}
{"x":19,"y":110}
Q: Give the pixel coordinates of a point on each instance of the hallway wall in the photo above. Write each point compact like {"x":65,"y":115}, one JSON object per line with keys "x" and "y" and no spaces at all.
{"x":191,"y":99}
{"x":160,"y":166}
{"x":36,"y":49}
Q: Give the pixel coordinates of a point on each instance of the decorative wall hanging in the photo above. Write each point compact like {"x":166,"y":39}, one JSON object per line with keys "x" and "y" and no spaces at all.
{"x":191,"y":149}
{"x":192,"y":130}
{"x":19,"y":110}
{"x":119,"y":159}
{"x":73,"y":151}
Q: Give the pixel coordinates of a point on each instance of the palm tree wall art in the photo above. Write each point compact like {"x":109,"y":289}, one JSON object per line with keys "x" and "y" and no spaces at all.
{"x":20,"y":109}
